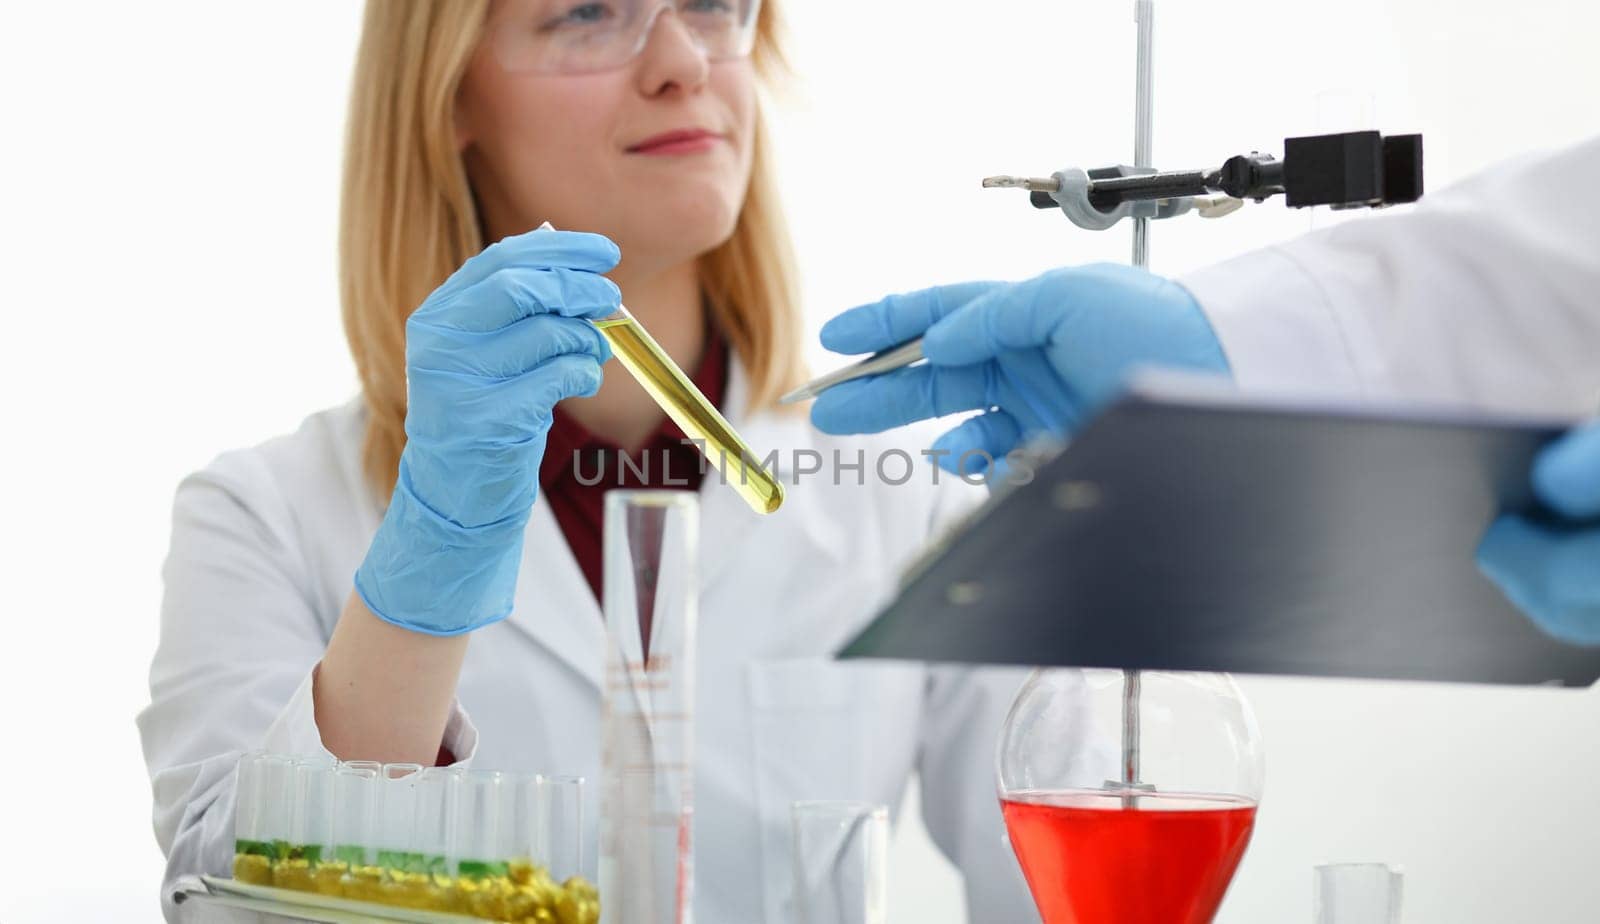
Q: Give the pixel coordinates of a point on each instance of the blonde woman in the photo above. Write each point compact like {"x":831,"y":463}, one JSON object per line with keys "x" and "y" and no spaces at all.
{"x":472,"y":631}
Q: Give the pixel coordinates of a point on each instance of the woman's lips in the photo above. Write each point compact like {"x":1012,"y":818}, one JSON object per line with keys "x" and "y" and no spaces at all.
{"x":691,"y":141}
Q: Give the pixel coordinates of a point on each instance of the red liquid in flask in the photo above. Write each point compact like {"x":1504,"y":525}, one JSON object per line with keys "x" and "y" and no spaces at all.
{"x":1089,"y":859}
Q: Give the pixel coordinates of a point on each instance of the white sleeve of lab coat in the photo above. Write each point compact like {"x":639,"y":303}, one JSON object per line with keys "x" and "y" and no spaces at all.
{"x":240,"y":638}
{"x":963,"y":712}
{"x":1486,"y":294}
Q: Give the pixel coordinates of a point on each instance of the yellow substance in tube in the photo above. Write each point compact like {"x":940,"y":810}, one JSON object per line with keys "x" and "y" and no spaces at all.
{"x":525,"y":894}
{"x":328,"y":877}
{"x":293,"y":874}
{"x":252,"y":868}
{"x":698,"y":418}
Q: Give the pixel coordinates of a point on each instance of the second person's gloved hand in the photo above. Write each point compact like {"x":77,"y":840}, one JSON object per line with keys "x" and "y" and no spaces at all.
{"x":488,"y":355}
{"x":1040,"y":356}
{"x":1550,"y":567}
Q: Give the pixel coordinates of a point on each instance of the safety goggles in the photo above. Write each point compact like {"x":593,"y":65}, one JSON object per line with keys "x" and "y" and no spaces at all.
{"x":577,"y":37}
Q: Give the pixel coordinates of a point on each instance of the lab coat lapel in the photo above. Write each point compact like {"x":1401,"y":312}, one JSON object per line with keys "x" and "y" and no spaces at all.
{"x":727,"y":522}
{"x":553,"y":603}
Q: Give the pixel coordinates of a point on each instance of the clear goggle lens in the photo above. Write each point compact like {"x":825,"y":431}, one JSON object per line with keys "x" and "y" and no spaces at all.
{"x":576,"y":37}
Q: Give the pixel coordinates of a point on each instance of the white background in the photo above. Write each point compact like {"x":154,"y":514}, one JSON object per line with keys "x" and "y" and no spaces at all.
{"x":167,"y":277}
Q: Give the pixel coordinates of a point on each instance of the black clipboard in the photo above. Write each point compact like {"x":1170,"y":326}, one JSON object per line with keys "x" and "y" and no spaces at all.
{"x":1190,"y":527}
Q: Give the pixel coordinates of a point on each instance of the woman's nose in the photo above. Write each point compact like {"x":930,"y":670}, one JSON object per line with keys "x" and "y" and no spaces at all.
{"x":672,"y":56}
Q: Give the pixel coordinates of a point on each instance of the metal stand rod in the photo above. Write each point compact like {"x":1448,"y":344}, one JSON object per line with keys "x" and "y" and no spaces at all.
{"x":1143,"y":115}
{"x":1144,"y":15}
{"x":1130,"y":727}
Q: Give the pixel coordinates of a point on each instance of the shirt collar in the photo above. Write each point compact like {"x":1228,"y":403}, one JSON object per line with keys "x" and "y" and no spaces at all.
{"x":567,"y":436}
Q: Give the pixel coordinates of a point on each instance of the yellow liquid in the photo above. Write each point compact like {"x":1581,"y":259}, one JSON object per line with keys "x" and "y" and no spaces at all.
{"x":525,"y":893}
{"x":698,"y":418}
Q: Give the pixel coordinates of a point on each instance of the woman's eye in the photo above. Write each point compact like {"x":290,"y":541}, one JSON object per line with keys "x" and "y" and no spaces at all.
{"x":582,"y":14}
{"x":714,"y":7}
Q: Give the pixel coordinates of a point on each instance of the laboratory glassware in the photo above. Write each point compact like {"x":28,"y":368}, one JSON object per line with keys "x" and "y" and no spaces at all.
{"x":1148,"y":834}
{"x":434,"y":829}
{"x":481,"y":843}
{"x":689,"y":408}
{"x":841,"y":860}
{"x":553,"y":838}
{"x":355,"y":809}
{"x":1357,"y":893}
{"x":682,"y":401}
{"x":252,"y":853}
{"x":558,"y":826}
{"x":312,"y":811}
{"x":478,"y":822}
{"x":306,"y":831}
{"x":651,"y":594}
{"x":397,"y":816}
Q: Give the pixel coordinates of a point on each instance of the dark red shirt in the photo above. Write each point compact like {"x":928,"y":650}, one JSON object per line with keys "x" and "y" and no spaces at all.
{"x":573,"y":456}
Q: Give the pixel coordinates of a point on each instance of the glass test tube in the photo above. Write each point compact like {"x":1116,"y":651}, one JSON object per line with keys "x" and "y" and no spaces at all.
{"x":252,"y":853}
{"x":247,"y":802}
{"x":437,"y":794}
{"x":301,"y":848}
{"x":478,"y":823}
{"x":397,"y":817}
{"x":313,"y":823}
{"x":277,"y":803}
{"x":689,"y":408}
{"x":841,"y":860}
{"x":312,"y":818}
{"x":558,"y":826}
{"x":519,"y":836}
{"x":651,"y":593}
{"x":355,"y":803}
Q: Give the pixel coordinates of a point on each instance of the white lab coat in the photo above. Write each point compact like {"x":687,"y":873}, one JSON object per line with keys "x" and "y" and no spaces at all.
{"x":1486,"y":294}
{"x":264,"y":545}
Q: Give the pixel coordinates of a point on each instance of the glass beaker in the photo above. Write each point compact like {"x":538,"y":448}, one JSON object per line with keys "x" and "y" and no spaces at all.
{"x":651,"y":592}
{"x":1129,"y":797}
{"x":841,"y":862}
{"x":1357,"y":893}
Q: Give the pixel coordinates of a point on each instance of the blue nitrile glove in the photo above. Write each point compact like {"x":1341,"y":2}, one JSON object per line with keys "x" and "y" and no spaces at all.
{"x":1550,"y":568}
{"x":488,"y":355}
{"x":1041,"y":355}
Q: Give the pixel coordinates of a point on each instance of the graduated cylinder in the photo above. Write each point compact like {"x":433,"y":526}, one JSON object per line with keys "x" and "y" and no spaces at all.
{"x":651,"y":596}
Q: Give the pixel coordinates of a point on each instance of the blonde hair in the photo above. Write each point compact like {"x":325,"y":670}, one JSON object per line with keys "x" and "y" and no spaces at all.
{"x":407,"y":218}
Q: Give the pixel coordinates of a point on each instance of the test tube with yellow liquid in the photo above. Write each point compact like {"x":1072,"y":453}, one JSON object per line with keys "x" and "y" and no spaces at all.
{"x":687,"y":406}
{"x":689,"y":409}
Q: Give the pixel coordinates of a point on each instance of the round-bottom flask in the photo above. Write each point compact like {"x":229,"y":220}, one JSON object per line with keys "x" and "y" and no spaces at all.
{"x":1129,"y":797}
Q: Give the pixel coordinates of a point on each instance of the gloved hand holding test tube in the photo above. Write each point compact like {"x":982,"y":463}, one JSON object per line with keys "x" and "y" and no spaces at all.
{"x":489,"y":354}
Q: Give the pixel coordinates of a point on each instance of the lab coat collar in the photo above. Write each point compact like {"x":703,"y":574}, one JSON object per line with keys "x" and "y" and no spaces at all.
{"x":554,"y":603}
